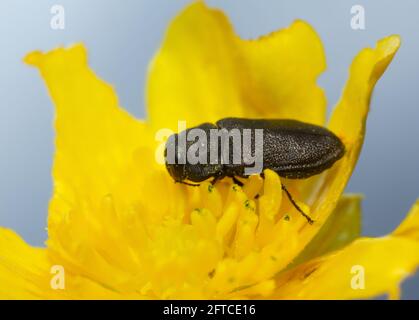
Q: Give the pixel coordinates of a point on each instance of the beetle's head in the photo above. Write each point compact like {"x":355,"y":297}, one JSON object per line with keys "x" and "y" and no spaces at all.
{"x":182,"y":163}
{"x":172,"y":156}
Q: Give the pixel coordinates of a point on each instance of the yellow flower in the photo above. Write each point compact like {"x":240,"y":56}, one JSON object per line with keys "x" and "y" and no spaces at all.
{"x":120,"y":227}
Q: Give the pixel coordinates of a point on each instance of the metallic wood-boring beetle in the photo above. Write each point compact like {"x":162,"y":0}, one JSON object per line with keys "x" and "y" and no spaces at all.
{"x":291,"y":148}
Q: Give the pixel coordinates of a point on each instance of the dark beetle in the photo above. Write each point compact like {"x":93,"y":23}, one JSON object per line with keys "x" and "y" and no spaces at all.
{"x":293,"y":149}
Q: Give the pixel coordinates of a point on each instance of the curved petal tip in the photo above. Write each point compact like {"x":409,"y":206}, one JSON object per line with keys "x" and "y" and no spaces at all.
{"x":76,"y":53}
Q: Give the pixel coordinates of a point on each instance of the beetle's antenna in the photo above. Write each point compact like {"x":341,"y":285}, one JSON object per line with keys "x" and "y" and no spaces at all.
{"x":310,"y":221}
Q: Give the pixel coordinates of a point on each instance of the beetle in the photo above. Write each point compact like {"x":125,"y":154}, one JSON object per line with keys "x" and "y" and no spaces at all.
{"x":291,"y":148}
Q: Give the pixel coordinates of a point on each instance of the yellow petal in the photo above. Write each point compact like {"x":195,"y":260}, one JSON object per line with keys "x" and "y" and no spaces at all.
{"x":24,"y":271}
{"x":385,"y":262}
{"x":95,"y":138}
{"x":95,"y":144}
{"x":28,"y":273}
{"x":349,"y":117}
{"x":280,"y":74}
{"x":408,"y":228}
{"x":348,"y":122}
{"x":341,"y":228}
{"x":366,"y":268}
{"x":204,"y":72}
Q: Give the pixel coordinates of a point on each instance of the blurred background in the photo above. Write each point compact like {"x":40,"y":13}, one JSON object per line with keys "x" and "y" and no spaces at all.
{"x":122,"y":37}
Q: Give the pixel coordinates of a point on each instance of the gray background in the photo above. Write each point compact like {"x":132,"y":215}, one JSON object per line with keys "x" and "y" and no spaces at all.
{"x":122,"y":37}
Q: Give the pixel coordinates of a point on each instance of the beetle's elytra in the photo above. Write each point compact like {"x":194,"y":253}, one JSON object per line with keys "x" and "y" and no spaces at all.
{"x":291,"y":148}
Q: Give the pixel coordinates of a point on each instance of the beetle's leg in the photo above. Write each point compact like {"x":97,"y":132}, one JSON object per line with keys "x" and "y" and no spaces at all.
{"x":188,"y":184}
{"x":237,"y":181}
{"x":217,"y":178}
{"x":310,"y":221}
{"x":213,"y":181}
